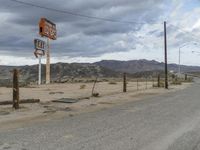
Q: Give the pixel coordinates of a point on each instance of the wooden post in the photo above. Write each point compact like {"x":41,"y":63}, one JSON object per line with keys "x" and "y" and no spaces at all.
{"x":146,"y":83}
{"x":124,"y":82}
{"x":39,"y":70}
{"x":176,"y":78}
{"x":15,"y":89}
{"x":48,"y":63}
{"x":137,"y":85}
{"x":158,"y":80}
{"x":153,"y":83}
{"x":185,"y":77}
{"x":95,"y":81}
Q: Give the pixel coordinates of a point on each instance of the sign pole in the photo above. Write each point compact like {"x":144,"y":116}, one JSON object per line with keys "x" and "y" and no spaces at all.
{"x":39,"y":52}
{"x":165,"y":46}
{"x":47,"y":29}
{"x":39,"y":70}
{"x":48,"y":63}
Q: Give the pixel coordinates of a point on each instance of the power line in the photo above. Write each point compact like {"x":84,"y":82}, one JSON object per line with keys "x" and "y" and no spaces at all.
{"x":79,"y":15}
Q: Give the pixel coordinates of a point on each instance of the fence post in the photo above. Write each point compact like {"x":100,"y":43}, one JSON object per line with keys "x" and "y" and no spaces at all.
{"x":153,"y":83}
{"x":15,"y":89}
{"x":185,"y":77}
{"x":146,"y":83}
{"x":95,"y":81}
{"x":158,"y":80}
{"x":124,"y":82}
{"x":137,"y":85}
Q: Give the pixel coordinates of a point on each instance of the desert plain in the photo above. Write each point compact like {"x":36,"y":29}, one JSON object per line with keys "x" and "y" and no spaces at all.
{"x":110,"y":94}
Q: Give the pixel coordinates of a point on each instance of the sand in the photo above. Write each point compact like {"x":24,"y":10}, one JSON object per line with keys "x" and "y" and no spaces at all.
{"x":110,"y":95}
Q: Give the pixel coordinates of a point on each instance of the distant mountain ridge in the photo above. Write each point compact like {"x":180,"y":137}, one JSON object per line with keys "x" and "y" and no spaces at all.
{"x":135,"y":66}
{"x":104,"y":68}
{"x":59,"y":71}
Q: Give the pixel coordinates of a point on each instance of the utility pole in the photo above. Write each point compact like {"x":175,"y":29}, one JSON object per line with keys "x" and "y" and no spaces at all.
{"x":48,"y":63}
{"x":165,"y":43}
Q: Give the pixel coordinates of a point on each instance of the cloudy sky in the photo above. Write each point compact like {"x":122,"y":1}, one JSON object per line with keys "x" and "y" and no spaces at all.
{"x":92,"y":30}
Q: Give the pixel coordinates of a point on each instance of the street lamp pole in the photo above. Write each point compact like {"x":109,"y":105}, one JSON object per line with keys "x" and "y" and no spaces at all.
{"x":179,"y":60}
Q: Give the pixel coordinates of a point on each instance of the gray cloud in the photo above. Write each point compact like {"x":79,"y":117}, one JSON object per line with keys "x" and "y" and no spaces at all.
{"x":77,"y":36}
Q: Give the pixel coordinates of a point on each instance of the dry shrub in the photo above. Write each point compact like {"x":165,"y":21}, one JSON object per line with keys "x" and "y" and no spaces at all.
{"x":82,"y":86}
{"x":176,"y":82}
{"x":112,"y":82}
{"x":162,"y":84}
{"x":95,"y":94}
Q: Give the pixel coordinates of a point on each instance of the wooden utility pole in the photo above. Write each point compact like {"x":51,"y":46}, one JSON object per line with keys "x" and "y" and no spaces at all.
{"x":48,"y":63}
{"x":165,"y":43}
{"x":15,"y":89}
{"x":124,"y":82}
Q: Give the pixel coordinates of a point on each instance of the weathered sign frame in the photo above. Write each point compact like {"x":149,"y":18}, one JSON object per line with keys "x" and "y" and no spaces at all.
{"x":47,"y":29}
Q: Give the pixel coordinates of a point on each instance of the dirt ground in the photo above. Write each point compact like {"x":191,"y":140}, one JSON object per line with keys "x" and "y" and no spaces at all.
{"x":110,"y":94}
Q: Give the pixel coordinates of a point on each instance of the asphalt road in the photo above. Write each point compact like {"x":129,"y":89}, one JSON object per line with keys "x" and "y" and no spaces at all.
{"x":167,"y":122}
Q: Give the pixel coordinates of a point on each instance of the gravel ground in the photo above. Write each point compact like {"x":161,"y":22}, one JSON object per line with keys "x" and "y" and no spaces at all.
{"x":165,"y":122}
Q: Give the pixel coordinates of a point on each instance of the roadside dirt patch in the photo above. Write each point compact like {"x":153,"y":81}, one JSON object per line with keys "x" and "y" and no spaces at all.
{"x":2,"y":113}
{"x":106,"y":103}
{"x":46,"y":110}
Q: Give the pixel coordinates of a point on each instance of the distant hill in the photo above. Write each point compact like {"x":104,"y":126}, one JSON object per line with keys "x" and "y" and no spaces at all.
{"x":104,"y":68}
{"x":135,"y":66}
{"x":59,"y":71}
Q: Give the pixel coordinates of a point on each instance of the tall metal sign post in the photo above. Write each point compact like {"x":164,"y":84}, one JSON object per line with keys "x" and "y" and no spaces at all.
{"x":39,"y":52}
{"x":47,"y":29}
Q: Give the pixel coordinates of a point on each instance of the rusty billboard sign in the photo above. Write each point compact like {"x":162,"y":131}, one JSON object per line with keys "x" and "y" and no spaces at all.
{"x":47,"y":29}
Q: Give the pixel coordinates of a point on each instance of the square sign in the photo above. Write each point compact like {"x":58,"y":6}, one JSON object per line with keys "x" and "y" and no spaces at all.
{"x":47,"y":29}
{"x":39,"y":44}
